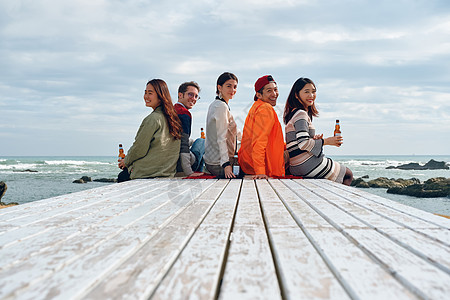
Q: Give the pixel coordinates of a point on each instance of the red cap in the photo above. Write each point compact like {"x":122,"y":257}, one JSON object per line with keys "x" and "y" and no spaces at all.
{"x":261,"y":82}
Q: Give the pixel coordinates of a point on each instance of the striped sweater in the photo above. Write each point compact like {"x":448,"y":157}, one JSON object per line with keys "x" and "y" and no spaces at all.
{"x":306,"y":156}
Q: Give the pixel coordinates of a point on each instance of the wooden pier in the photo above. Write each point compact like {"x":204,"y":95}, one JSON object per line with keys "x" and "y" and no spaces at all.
{"x":223,"y":239}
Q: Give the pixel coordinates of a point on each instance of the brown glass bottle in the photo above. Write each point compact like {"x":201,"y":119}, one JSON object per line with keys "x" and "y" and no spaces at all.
{"x":121,"y":153}
{"x":337,"y":129}
{"x":202,"y":133}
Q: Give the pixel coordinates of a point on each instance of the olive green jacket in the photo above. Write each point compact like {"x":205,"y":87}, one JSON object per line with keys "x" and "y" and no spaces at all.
{"x":154,"y":152}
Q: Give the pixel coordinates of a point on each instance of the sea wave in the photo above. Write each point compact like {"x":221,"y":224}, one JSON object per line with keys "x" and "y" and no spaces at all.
{"x":374,"y":163}
{"x":19,"y":166}
{"x":7,"y":161}
{"x":57,"y":166}
{"x":75,"y":162}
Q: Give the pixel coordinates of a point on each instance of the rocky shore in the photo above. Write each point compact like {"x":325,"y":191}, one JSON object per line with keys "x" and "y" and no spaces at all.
{"x":86,"y":179}
{"x":430,"y":165}
{"x":434,"y":187}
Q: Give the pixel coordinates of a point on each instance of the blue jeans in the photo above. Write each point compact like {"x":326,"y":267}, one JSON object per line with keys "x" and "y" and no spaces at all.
{"x":198,"y":149}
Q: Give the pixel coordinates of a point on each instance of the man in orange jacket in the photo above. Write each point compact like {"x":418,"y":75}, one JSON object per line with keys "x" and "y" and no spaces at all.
{"x":262,"y":145}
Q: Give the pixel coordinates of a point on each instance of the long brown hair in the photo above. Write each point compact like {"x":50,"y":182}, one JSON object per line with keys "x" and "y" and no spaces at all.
{"x":163,"y":93}
{"x":293,"y":103}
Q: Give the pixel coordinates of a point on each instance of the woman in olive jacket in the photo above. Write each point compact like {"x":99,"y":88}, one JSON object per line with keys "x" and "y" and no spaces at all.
{"x":156,"y":148}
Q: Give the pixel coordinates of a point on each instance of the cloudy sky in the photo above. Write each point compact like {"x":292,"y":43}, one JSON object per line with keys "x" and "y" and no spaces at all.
{"x":72,"y":73}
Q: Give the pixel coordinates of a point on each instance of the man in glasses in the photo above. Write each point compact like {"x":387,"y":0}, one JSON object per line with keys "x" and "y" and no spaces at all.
{"x":191,"y":158}
{"x":262,"y":145}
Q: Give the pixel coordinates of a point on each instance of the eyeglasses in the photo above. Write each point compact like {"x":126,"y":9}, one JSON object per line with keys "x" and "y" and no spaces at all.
{"x":195,"y":96}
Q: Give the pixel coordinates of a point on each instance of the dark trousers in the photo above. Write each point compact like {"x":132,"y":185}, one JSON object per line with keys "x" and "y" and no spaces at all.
{"x":123,"y":176}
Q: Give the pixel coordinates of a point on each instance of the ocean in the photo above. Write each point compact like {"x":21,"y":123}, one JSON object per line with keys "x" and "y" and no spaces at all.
{"x":53,"y":176}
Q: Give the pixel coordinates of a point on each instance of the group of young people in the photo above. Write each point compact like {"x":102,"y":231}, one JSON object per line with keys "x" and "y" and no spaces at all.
{"x":163,"y":147}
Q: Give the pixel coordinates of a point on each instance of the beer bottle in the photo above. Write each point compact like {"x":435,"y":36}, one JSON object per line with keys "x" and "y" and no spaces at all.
{"x":236,"y":168}
{"x":337,"y":129}
{"x":202,"y":133}
{"x":121,"y":154}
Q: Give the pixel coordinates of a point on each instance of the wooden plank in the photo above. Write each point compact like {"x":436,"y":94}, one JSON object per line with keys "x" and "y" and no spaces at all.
{"x":38,"y":208}
{"x":197,"y":272}
{"x":141,"y":273}
{"x":69,"y":208}
{"x":302,"y":270}
{"x":250,"y":271}
{"x":77,"y":217}
{"x":308,"y":216}
{"x":86,"y":257}
{"x":405,"y":230}
{"x":107,"y":219}
{"x":395,"y":211}
{"x":362,"y":275}
{"x":335,"y":205}
{"x":73,"y":246}
{"x":429,"y":281}
{"x":423,"y":228}
{"x":393,"y":205}
{"x":317,"y":203}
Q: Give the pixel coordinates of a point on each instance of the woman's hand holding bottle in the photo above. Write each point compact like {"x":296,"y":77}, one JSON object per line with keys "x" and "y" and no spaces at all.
{"x":229,"y":172}
{"x":333,"y":141}
{"x":121,"y":163}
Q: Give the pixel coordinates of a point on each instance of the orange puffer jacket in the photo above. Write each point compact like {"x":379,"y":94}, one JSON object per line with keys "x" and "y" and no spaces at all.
{"x":262,"y":144}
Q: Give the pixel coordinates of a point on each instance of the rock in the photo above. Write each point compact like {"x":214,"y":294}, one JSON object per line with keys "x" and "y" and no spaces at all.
{"x":365,"y":176}
{"x":438,"y":183}
{"x":430,"y":165}
{"x":407,"y":182}
{"x":416,"y":190}
{"x":86,"y":179}
{"x":411,"y":166}
{"x":359,"y":182}
{"x":83,"y":179}
{"x":383,"y":182}
{"x":3,"y":188}
{"x":436,"y":165}
{"x":106,"y":180}
{"x":434,"y":187}
{"x":355,"y":181}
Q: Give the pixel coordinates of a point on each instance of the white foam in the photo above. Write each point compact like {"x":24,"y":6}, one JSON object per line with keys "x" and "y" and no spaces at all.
{"x":18,"y":166}
{"x":74,"y":162}
{"x":365,"y":163}
{"x":375,"y":163}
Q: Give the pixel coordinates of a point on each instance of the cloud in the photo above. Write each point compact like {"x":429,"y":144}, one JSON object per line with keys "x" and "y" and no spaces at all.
{"x":73,"y":72}
{"x":333,"y":34}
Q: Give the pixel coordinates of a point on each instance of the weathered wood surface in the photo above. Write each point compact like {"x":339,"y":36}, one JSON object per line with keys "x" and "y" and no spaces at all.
{"x":223,"y":239}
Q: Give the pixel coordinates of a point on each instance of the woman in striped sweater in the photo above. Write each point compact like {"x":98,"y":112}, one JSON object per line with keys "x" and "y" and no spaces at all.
{"x":305,"y":147}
